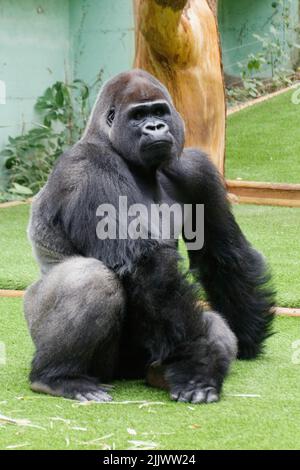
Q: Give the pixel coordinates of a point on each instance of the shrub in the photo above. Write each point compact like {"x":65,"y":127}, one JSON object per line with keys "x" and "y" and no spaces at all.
{"x":28,"y":158}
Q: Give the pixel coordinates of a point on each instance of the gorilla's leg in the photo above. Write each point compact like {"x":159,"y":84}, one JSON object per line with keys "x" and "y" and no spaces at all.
{"x":190,"y":351}
{"x":74,"y":314}
{"x":221,"y":344}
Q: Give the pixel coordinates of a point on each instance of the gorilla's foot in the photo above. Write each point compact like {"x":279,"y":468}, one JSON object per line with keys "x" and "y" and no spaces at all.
{"x":81,"y":389}
{"x":194,"y":392}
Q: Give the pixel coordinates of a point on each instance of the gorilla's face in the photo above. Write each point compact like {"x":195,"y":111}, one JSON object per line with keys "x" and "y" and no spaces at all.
{"x":143,"y":125}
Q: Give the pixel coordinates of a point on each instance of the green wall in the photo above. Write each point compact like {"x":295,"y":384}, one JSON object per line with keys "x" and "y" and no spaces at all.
{"x":102,"y":37}
{"x":239,"y":20}
{"x":34,"y":52}
{"x":42,"y":41}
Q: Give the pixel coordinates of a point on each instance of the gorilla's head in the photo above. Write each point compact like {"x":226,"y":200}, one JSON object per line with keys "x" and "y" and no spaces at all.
{"x":137,"y":114}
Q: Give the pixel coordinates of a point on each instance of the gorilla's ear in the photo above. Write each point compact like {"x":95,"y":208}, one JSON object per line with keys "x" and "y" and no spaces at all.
{"x":110,"y":116}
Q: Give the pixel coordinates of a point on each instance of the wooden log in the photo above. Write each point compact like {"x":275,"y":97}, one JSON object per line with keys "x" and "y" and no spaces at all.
{"x":11,"y":293}
{"x":287,"y":312}
{"x":213,"y":4}
{"x":4,"y":205}
{"x":273,"y":194}
{"x":178,"y":42}
{"x":290,"y":312}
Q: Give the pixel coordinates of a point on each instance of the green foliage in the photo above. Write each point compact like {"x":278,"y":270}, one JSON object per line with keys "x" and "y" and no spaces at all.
{"x":28,"y":158}
{"x":271,"y":59}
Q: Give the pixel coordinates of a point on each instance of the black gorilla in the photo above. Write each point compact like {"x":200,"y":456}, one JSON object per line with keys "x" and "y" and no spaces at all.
{"x":121,"y":308}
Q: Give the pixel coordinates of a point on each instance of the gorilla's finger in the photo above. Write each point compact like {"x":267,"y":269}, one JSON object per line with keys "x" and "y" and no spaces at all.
{"x":199,"y":396}
{"x":80,"y":397}
{"x":185,"y":396}
{"x":212,"y":396}
{"x":174,"y":396}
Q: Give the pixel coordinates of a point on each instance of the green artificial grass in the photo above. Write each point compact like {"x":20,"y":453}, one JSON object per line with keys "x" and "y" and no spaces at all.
{"x":17,"y":265}
{"x":273,"y":230}
{"x":263,"y":142}
{"x":260,"y":406}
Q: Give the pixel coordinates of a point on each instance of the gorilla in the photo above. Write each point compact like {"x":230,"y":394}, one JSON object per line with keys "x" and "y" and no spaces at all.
{"x":122,"y":308}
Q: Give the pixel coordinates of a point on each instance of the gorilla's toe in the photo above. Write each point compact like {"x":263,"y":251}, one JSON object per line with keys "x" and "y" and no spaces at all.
{"x":98,"y":396}
{"x":80,"y":388}
{"x":196,"y":395}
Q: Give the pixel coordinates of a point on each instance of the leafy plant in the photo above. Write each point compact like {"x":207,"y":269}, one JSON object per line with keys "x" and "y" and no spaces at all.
{"x":271,"y":59}
{"x":28,"y":159}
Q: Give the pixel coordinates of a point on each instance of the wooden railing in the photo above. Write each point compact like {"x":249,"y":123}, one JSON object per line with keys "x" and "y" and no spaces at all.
{"x":270,"y":194}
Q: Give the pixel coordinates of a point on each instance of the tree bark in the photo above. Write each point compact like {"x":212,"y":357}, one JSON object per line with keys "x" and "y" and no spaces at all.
{"x":213,"y":4}
{"x":178,"y":42}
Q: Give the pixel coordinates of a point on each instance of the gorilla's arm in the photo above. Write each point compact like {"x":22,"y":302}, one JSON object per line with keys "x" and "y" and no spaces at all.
{"x":233,"y":273}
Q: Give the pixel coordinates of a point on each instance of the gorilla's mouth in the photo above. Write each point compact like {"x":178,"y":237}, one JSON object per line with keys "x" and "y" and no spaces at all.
{"x":158,"y":145}
{"x":157,"y":153}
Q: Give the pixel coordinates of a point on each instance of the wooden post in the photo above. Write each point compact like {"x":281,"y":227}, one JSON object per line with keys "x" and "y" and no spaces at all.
{"x":178,"y":42}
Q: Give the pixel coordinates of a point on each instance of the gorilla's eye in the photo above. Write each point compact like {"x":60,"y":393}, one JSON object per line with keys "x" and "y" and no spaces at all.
{"x":138,"y":114}
{"x":159,"y":111}
{"x":110,"y":116}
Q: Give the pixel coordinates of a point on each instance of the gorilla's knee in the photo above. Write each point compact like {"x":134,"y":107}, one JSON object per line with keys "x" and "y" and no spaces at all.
{"x":30,"y":303}
{"x":79,"y":294}
{"x":90,"y":279}
{"x":75,"y":314}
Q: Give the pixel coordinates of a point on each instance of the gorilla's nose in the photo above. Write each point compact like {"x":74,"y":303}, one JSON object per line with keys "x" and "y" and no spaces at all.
{"x":155,"y":129}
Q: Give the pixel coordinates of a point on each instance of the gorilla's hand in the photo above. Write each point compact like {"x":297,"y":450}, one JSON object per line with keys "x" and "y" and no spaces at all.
{"x":194,"y":392}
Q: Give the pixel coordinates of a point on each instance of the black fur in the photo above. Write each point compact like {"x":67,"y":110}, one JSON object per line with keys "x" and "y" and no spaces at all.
{"x":105,"y":309}
{"x":233,"y":274}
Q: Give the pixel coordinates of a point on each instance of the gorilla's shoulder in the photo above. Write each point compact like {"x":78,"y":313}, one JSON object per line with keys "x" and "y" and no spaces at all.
{"x":84,"y":154}
{"x":83,"y":160}
{"x":194,"y":153}
{"x":197,"y":160}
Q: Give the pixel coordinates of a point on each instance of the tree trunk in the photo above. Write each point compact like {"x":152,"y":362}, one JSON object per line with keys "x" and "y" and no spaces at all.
{"x":213,"y":4}
{"x":178,"y":42}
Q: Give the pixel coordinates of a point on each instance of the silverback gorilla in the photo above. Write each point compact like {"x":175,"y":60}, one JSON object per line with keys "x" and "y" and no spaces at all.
{"x":119,"y":308}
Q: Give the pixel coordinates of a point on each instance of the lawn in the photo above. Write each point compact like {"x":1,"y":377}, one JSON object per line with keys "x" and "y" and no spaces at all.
{"x":263,"y":142}
{"x":253,"y":413}
{"x":17,"y":266}
{"x":260,"y":407}
{"x":273,"y":230}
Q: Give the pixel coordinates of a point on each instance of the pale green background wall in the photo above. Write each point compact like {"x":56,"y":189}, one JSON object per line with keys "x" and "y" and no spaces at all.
{"x":34,"y":52}
{"x":42,"y":41}
{"x":102,"y":37}
{"x":238,"y":20}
